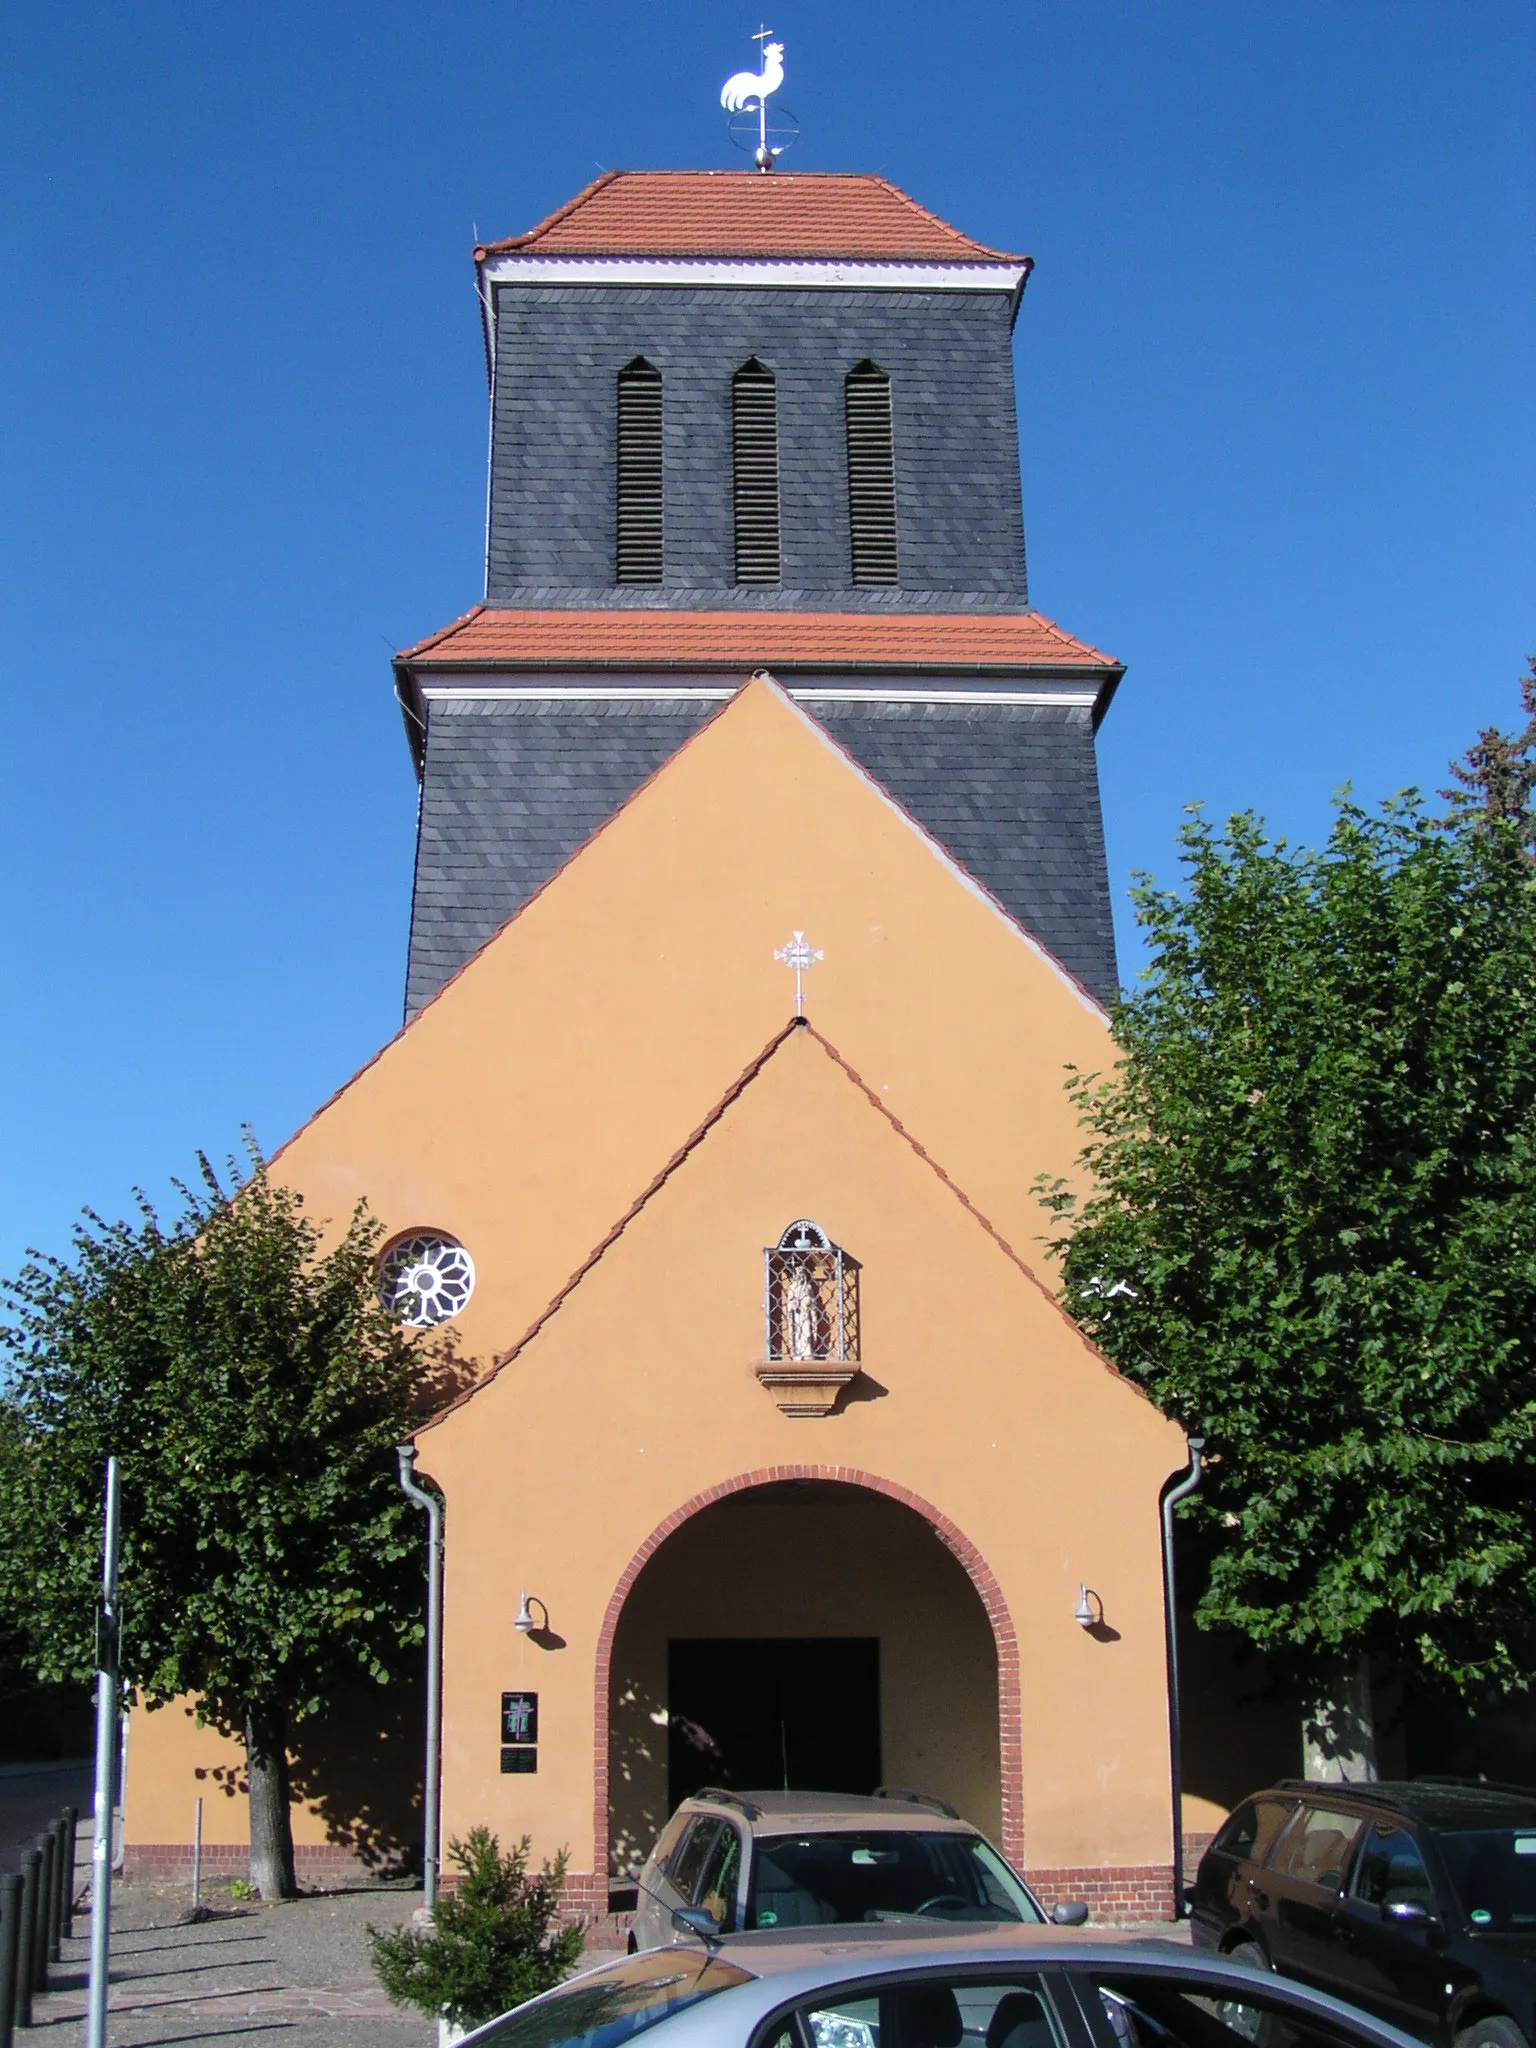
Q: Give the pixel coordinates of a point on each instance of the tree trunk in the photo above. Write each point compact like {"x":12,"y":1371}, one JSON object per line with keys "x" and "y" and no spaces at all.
{"x":266,"y":1770}
{"x":1338,"y":1732}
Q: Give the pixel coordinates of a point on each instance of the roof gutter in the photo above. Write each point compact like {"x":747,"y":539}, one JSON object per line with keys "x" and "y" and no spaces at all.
{"x":1112,"y":681}
{"x":413,"y":711}
{"x":487,"y":316}
{"x":1018,"y":292}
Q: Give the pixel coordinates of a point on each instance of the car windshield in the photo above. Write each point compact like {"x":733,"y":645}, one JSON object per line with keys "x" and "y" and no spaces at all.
{"x":887,"y":1874}
{"x":612,"y":2005}
{"x":1494,"y":1872}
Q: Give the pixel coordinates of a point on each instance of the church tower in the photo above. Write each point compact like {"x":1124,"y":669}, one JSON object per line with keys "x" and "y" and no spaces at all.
{"x":760,"y":911}
{"x":746,"y":422}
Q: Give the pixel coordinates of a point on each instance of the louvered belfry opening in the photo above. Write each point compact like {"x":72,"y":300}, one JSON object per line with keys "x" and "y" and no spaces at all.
{"x":639,"y":520}
{"x":755,"y":472}
{"x":871,"y":474}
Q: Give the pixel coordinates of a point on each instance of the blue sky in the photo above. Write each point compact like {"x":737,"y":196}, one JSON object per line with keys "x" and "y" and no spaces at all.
{"x":1277,"y":401}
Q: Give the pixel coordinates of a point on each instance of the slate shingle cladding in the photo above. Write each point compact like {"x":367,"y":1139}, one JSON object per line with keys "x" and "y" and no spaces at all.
{"x":1012,"y":791}
{"x":559,"y":350}
{"x":508,"y":792}
{"x":513,"y":787}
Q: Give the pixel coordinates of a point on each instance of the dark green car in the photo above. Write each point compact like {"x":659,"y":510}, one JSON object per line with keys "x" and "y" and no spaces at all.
{"x":1416,"y":1901}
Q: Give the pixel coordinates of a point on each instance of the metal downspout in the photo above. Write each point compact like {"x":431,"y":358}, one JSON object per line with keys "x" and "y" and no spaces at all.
{"x":1171,"y":1499}
{"x":429,"y":1796}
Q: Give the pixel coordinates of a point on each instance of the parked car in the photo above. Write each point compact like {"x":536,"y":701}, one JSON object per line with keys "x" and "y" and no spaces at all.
{"x":889,"y":1986}
{"x":1416,"y":1901}
{"x":755,"y":1860}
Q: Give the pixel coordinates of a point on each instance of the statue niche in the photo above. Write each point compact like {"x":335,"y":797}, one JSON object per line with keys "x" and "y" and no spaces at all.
{"x":811,"y":1320}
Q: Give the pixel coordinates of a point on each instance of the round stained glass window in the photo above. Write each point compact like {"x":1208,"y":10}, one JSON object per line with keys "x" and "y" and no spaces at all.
{"x":426,"y":1279}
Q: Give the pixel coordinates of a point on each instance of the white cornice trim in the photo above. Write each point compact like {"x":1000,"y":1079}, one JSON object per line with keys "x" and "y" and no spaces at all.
{"x":1080,"y":699}
{"x":667,"y":693}
{"x":578,"y":693}
{"x":780,"y":272}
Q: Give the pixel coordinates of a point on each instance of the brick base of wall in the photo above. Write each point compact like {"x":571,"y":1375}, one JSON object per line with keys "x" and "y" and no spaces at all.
{"x":584,"y":1894}
{"x":315,"y":1863}
{"x":1116,"y":1896}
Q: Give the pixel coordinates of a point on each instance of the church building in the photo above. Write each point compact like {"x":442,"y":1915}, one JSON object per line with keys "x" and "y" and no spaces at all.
{"x":760,"y":908}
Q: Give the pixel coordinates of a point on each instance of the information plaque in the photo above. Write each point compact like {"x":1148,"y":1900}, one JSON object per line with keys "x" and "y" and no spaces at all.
{"x":519,"y":1717}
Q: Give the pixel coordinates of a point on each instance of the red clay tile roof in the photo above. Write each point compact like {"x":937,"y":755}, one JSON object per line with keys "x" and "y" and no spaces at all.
{"x":746,"y":640}
{"x":747,"y":213}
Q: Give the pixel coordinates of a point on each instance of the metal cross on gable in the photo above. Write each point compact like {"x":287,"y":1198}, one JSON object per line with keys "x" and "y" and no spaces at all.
{"x":799,"y":955}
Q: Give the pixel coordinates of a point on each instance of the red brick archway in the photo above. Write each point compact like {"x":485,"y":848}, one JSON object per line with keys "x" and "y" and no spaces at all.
{"x":1009,"y":1712}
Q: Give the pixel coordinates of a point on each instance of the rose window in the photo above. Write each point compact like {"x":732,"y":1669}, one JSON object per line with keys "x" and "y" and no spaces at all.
{"x":426,"y":1279}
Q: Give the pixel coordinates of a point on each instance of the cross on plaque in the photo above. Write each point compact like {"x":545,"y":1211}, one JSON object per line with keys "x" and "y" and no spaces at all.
{"x":799,"y":955}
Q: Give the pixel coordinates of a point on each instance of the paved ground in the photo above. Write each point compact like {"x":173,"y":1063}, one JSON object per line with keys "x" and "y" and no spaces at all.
{"x":296,"y":1973}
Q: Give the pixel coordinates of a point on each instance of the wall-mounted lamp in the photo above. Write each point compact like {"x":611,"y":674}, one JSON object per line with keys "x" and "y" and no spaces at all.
{"x":1089,"y":1612}
{"x":525,"y":1623}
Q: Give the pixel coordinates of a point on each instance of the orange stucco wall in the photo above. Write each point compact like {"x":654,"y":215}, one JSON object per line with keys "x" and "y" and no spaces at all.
{"x":639,"y":1394}
{"x":530,"y":1104}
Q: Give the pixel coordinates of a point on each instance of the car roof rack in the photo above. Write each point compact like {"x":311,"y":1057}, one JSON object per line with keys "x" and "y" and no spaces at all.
{"x":723,"y":1797}
{"x":916,"y":1799}
{"x":1339,"y":1788}
{"x":1472,"y":1784}
{"x":1383,"y":1792}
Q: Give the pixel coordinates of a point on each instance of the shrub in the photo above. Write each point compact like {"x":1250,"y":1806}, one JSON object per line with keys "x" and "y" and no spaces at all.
{"x":491,"y":1945}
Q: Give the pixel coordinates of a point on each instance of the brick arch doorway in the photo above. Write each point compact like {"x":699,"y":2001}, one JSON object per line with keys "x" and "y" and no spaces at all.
{"x":791,"y":1556}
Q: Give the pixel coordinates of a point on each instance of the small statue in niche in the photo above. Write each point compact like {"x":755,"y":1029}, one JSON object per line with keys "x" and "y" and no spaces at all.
{"x":800,"y":1312}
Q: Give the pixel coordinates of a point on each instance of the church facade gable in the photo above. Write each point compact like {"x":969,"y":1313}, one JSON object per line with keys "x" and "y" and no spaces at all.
{"x":596,"y":1030}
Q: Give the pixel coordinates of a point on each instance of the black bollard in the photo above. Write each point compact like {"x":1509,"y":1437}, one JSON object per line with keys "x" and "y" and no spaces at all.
{"x":10,"y":1928}
{"x":56,"y":1890}
{"x":67,"y":1915}
{"x":44,"y":1846}
{"x":26,"y":1936}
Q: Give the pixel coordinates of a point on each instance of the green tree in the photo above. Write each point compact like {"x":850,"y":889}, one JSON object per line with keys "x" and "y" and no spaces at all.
{"x":1497,"y":778}
{"x":253,"y":1390}
{"x":1311,"y":1234}
{"x":491,"y":1944}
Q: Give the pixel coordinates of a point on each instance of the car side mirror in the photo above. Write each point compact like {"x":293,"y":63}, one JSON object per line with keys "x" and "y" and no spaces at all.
{"x":1070,"y":1913}
{"x":694,"y":1920}
{"x":1409,"y":1913}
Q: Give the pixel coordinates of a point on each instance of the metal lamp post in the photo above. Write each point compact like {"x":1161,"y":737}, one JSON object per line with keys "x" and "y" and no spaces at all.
{"x":106,"y":1765}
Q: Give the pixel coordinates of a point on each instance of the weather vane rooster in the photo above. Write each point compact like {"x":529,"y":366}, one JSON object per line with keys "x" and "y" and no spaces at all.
{"x":740,"y":92}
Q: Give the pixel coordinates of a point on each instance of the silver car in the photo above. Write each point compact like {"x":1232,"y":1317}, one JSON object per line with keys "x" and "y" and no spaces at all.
{"x":884,"y":1986}
{"x":731,"y":1862}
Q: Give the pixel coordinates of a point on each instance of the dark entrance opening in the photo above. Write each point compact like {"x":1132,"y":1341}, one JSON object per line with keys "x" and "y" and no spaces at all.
{"x":796,"y":1711}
